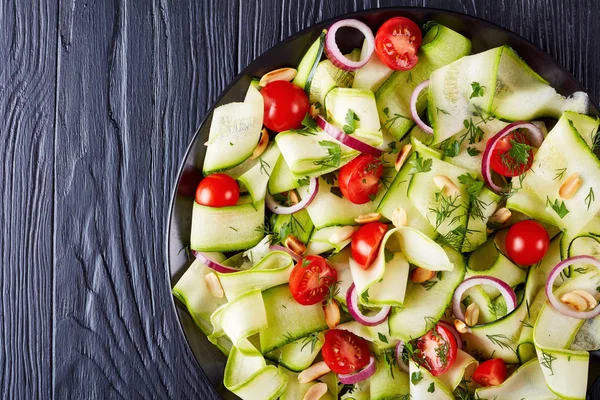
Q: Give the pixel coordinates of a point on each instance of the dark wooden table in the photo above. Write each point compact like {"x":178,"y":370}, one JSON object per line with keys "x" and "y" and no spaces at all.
{"x":98,"y":101}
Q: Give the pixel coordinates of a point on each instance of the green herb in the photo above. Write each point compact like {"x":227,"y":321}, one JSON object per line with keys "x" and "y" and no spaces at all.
{"x":231,"y":144}
{"x":430,"y":322}
{"x":595,"y":140}
{"x":232,"y":228}
{"x":462,"y":392}
{"x":372,"y":196}
{"x":452,"y":149}
{"x":420,"y":165}
{"x":388,"y":255}
{"x":439,"y":110}
{"x":502,"y":341}
{"x":598,"y":289}
{"x":466,"y":301}
{"x":559,"y":208}
{"x":334,"y":190}
{"x":311,"y":340}
{"x":305,"y":262}
{"x":365,"y":296}
{"x":474,"y":134}
{"x":431,"y":387}
{"x":589,"y":198}
{"x":477,"y":90}
{"x":559,"y":174}
{"x":547,"y":360}
{"x":416,"y":377}
{"x":394,"y":149}
{"x":292,"y":227}
{"x":526,"y":324}
{"x":351,"y":118}
{"x":334,"y":152}
{"x":346,"y":389}
{"x":329,"y":178}
{"x":580,"y":270}
{"x":498,"y":309}
{"x":409,"y":77}
{"x":303,"y":181}
{"x":429,"y":284}
{"x":309,"y":126}
{"x":332,"y":291}
{"x":473,"y":151}
{"x":263,"y":167}
{"x":446,"y":207}
{"x":289,"y":337}
{"x":517,"y":157}
{"x":386,"y":111}
{"x":267,"y":229}
{"x":382,"y":337}
{"x":391,"y":120}
{"x":474,"y":188}
{"x":456,"y":237}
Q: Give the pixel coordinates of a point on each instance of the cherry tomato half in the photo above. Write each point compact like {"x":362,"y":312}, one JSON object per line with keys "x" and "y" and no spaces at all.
{"x":365,"y":243}
{"x":311,"y":279}
{"x":397,"y":43}
{"x":359,"y":179}
{"x":285,"y":105}
{"x":527,"y":242}
{"x":437,"y":350}
{"x":344,"y":352}
{"x":503,"y":163}
{"x":218,"y":190}
{"x":490,"y":372}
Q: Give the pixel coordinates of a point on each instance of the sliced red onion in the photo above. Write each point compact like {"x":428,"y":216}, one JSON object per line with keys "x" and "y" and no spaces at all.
{"x":455,"y":333}
{"x":535,"y":137}
{"x":363,"y":374}
{"x":401,"y":363}
{"x":276,"y":247}
{"x":213,"y":264}
{"x":559,"y":305}
{"x":413,"y":107}
{"x":276,"y":208}
{"x":367,"y":320}
{"x":333,"y":53}
{"x":506,"y":291}
{"x":347,"y":140}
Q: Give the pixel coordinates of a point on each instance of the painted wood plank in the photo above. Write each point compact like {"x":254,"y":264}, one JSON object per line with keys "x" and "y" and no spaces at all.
{"x":27,"y":98}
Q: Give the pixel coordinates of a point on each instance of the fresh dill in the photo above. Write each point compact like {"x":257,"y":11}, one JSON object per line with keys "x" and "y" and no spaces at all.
{"x":232,"y":228}
{"x":498,"y":309}
{"x":445,"y":209}
{"x":429,"y":284}
{"x":502,"y":341}
{"x":263,"y":167}
{"x":311,"y":340}
{"x":394,"y":148}
{"x":474,"y":187}
{"x":439,"y":110}
{"x":589,"y":198}
{"x":547,"y":360}
{"x":560,"y":173}
{"x":332,"y":292}
{"x":391,"y":120}
{"x":474,"y":133}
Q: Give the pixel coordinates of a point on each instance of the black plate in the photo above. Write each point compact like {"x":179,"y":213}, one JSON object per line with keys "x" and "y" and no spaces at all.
{"x":484,"y":35}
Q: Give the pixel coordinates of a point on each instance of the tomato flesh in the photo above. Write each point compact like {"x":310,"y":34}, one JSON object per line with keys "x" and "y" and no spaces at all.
{"x":527,"y":242}
{"x":344,"y":352}
{"x":365,"y":243}
{"x":311,"y":279}
{"x":397,"y":43}
{"x":490,"y":372}
{"x":437,"y":350}
{"x":218,"y":190}
{"x":359,"y":179}
{"x":286,"y":105}
{"x":503,"y":163}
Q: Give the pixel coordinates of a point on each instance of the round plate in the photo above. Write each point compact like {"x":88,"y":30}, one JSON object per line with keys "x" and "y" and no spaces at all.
{"x":484,"y":35}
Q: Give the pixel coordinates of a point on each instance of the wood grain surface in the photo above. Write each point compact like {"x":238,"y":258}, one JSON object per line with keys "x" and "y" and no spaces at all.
{"x":98,"y":102}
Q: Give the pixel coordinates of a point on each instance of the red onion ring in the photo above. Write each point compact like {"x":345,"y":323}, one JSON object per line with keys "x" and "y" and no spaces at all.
{"x":347,"y":140}
{"x":276,"y":247}
{"x":333,"y":53}
{"x":557,"y":304}
{"x":276,"y":208}
{"x":506,"y":291}
{"x":535,"y":138}
{"x":213,"y":264}
{"x":399,"y":350}
{"x":363,"y":374}
{"x":367,"y":320}
{"x":455,"y":333}
{"x":413,"y":107}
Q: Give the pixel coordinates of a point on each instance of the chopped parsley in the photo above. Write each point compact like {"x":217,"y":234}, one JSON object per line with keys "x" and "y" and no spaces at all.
{"x":452,"y":149}
{"x":420,"y":165}
{"x":416,"y":377}
{"x":334,"y":157}
{"x":477,"y":90}
{"x":309,"y":126}
{"x":517,"y":157}
{"x":351,"y":118}
{"x":382,"y":337}
{"x":559,"y":207}
{"x":388,"y":255}
{"x":473,"y":151}
{"x":431,"y":387}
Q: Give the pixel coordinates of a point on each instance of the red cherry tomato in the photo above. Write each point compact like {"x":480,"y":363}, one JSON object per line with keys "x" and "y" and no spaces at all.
{"x":286,"y":105}
{"x":359,"y":179}
{"x":397,"y":43}
{"x":311,"y":279}
{"x":490,"y":372}
{"x":437,"y":350}
{"x":527,"y":242}
{"x":218,"y":190}
{"x":366,"y":241}
{"x":503,"y":163}
{"x":344,"y":352}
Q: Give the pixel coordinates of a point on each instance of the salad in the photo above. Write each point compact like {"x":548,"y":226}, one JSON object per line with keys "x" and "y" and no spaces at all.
{"x":407,"y":220}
